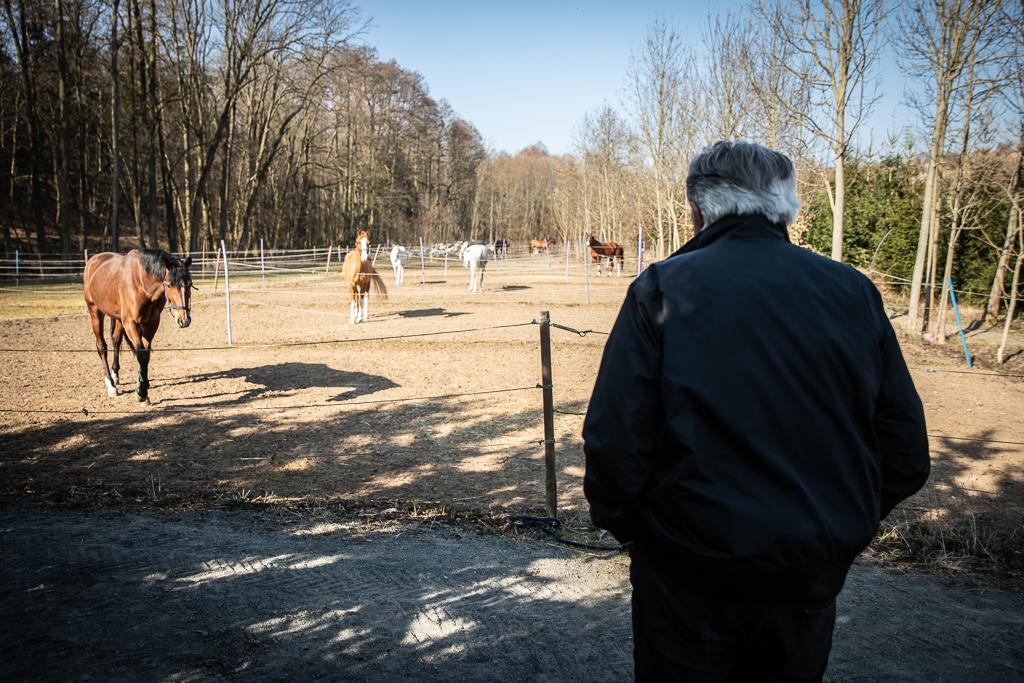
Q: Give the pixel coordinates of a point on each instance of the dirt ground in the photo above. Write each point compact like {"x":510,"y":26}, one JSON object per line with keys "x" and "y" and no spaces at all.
{"x":384,"y":420}
{"x":214,"y":595}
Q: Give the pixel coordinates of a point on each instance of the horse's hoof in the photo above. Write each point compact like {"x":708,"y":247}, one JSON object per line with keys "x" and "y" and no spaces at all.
{"x":114,"y":377}
{"x":111,"y":393}
{"x":143,"y":400}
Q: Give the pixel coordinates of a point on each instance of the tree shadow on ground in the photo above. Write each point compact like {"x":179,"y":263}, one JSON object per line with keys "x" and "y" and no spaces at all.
{"x":477,"y":453}
{"x":289,"y":377}
{"x":955,"y":518}
{"x":220,"y":594}
{"x":429,"y":312}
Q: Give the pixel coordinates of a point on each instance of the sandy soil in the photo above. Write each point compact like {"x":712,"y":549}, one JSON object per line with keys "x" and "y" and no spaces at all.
{"x":384,"y":420}
{"x":213,"y":595}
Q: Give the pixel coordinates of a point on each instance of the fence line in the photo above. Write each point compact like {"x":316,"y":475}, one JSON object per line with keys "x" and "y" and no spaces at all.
{"x":281,"y":344}
{"x":904,"y":281}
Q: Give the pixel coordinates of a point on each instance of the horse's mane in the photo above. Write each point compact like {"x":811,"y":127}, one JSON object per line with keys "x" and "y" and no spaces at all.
{"x":155,"y":260}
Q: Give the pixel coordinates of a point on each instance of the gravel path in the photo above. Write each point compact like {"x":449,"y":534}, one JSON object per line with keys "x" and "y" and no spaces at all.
{"x":209,"y":595}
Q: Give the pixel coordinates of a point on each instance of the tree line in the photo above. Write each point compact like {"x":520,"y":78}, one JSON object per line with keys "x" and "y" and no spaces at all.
{"x":179,"y":123}
{"x":936,"y":202}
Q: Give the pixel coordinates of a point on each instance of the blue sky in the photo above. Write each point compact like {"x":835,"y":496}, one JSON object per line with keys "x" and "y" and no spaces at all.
{"x":528,"y":71}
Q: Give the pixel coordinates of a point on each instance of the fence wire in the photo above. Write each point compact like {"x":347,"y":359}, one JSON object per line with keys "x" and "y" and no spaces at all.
{"x":290,"y":343}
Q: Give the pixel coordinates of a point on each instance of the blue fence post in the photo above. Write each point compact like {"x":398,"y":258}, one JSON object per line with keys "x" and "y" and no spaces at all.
{"x":959,"y":325}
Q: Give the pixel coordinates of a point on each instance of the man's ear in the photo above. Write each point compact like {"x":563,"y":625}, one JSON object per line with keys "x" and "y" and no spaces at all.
{"x":696,"y":217}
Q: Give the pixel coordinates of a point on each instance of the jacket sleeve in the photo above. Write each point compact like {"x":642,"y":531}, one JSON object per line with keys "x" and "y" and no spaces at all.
{"x":622,"y":423}
{"x":899,"y":424}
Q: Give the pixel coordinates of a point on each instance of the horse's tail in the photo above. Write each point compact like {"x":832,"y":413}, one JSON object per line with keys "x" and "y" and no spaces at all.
{"x":377,"y":285}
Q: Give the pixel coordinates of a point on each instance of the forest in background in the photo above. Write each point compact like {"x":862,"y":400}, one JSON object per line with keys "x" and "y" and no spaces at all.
{"x":178,"y":123}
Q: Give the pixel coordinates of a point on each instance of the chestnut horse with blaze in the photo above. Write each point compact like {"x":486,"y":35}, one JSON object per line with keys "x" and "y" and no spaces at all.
{"x":132,"y":290}
{"x":360,"y":275}
{"x":599,"y":251}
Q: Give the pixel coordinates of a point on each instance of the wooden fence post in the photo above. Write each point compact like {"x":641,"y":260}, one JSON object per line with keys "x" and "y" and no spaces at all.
{"x":550,"y":486}
{"x":263,"y":268}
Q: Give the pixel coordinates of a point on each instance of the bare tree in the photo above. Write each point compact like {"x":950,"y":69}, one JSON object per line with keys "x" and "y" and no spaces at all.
{"x":941,"y":39}
{"x":22,"y":29}
{"x":831,"y":46}
{"x":657,"y":100}
{"x":1013,"y":20}
{"x":115,"y":128}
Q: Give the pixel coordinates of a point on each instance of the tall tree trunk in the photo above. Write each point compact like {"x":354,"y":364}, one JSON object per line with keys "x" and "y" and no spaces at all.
{"x":65,"y":138}
{"x":995,"y":298}
{"x":839,"y":205}
{"x":1011,"y":307}
{"x":115,"y":129}
{"x":924,"y":236}
{"x":22,"y":46}
{"x":170,"y":217}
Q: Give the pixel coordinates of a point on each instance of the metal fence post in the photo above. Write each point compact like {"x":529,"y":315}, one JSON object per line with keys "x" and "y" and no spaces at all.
{"x":959,"y":325}
{"x":551,"y":489}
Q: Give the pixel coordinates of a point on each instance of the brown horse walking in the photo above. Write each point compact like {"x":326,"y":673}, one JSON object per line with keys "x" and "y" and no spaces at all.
{"x":360,"y":275}
{"x":599,"y":251}
{"x":132,"y":291}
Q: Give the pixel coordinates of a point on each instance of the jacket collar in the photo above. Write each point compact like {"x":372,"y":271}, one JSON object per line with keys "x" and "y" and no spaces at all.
{"x":733,"y":227}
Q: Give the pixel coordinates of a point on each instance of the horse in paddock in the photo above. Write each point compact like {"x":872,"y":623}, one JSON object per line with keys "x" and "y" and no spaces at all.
{"x":538,"y":246}
{"x":132,"y":290}
{"x":361,"y":277}
{"x":474,"y":257}
{"x":399,"y":255}
{"x":599,"y":251}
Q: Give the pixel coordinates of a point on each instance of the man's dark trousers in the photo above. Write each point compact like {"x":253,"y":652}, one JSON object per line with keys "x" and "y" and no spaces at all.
{"x":683,"y":634}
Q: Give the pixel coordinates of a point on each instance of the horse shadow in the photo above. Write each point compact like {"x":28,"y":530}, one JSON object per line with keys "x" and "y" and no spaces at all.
{"x":289,"y":377}
{"x":429,"y":312}
{"x":514,"y":288}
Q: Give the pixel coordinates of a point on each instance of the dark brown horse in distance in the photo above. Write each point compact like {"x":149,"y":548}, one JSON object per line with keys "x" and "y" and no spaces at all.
{"x":599,"y":251}
{"x":132,"y":290}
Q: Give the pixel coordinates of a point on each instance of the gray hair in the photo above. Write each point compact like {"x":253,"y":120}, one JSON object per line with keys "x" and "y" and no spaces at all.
{"x":743,"y":178}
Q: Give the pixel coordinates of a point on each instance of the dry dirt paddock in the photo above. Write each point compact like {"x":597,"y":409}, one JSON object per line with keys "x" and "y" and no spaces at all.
{"x":379,"y":421}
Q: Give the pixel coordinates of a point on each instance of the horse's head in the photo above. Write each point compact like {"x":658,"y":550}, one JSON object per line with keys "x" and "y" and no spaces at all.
{"x":178,"y":288}
{"x":363,"y":242}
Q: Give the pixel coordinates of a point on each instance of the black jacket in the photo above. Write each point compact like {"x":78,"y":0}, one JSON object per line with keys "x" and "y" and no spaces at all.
{"x":753,"y":419}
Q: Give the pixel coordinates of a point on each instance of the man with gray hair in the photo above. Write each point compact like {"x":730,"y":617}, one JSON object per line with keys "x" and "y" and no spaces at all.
{"x":752,"y":422}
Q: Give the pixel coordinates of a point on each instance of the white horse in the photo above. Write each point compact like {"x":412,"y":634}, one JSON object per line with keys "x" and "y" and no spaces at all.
{"x":399,"y":255}
{"x":474,"y":257}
